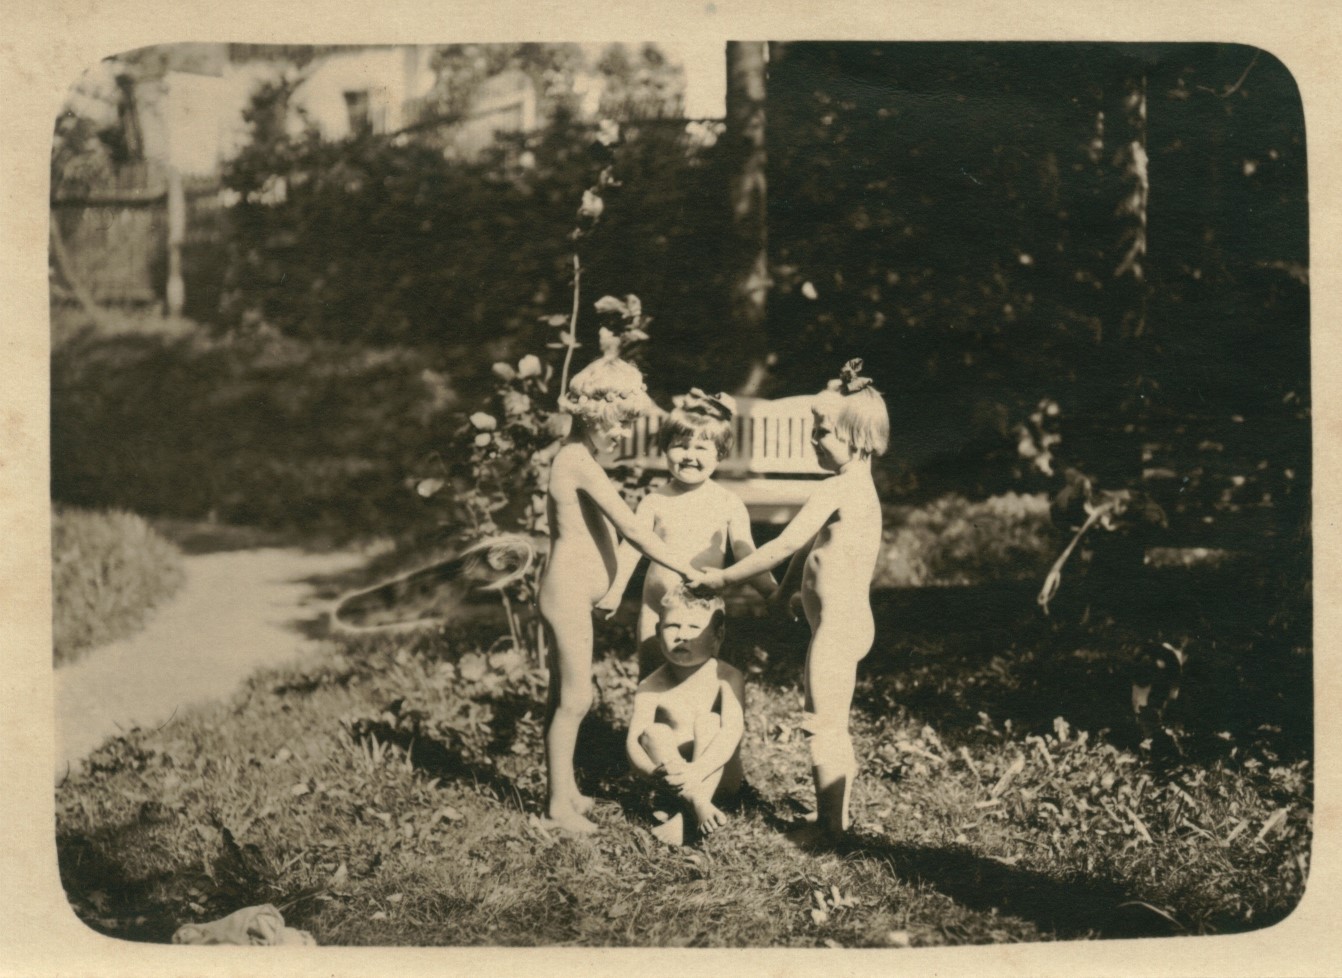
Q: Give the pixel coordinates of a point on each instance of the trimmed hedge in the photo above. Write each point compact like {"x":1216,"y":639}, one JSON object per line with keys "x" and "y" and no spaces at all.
{"x":108,"y":570}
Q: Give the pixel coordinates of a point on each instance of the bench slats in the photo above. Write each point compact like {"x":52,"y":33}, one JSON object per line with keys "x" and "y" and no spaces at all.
{"x":772,"y":466}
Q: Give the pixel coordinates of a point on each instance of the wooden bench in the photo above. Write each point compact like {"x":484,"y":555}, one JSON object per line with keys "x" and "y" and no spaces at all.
{"x":772,"y":466}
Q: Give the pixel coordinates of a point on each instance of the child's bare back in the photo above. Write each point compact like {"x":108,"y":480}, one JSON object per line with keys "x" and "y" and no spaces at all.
{"x":836,"y":579}
{"x":582,"y":541}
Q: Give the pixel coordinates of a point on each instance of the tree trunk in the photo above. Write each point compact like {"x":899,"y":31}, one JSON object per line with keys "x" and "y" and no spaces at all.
{"x":746,"y":65}
{"x":1130,"y":157}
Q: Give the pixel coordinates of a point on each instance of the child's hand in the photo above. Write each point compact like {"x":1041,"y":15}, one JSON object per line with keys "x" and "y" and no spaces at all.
{"x":609,"y":604}
{"x":672,"y":774}
{"x":682,"y":775}
{"x":707,"y":580}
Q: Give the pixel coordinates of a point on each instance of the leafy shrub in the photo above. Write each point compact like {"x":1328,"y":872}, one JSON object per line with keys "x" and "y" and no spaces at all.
{"x":259,"y":430}
{"x":109,"y":569}
{"x":956,"y":541}
{"x":386,"y":241}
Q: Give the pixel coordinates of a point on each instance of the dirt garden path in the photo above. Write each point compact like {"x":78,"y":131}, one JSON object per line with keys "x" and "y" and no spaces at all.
{"x":237,"y":611}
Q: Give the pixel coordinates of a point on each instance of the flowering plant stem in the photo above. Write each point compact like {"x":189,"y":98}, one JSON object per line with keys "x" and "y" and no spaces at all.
{"x":572,"y":338}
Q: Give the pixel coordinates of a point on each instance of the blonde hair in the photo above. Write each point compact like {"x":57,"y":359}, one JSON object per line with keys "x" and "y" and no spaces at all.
{"x":860,"y":418}
{"x":682,"y":597}
{"x":606,"y":392}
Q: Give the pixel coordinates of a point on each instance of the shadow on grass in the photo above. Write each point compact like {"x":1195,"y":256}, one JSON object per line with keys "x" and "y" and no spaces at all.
{"x":946,"y":655}
{"x":110,"y":898}
{"x":1071,"y":909}
{"x":114,"y":896}
{"x":446,"y":761}
{"x":603,"y":771}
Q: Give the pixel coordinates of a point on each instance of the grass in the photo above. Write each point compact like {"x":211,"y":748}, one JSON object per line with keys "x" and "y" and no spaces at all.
{"x":387,"y":794}
{"x":109,"y":570}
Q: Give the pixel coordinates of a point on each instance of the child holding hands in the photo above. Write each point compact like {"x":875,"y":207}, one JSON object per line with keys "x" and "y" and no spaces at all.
{"x":834,"y":541}
{"x":603,"y":399}
{"x":689,"y":715}
{"x":692,"y":513}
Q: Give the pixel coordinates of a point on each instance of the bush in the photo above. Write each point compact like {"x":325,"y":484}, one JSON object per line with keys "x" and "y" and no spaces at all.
{"x":109,"y":569}
{"x":384,"y":241}
{"x":955,"y":541}
{"x":257,"y":430}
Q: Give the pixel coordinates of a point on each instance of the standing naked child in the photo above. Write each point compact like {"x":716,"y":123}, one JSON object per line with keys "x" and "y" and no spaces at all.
{"x":689,"y":715}
{"x":834,"y":541}
{"x":691,"y":512}
{"x":602,"y":398}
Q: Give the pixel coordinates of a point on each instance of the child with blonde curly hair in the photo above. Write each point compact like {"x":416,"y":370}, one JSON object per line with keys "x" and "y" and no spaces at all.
{"x":834,"y":541}
{"x":581,"y":504}
{"x":691,"y":513}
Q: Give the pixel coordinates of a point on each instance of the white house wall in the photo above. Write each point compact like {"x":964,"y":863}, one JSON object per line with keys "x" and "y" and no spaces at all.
{"x":391,"y":76}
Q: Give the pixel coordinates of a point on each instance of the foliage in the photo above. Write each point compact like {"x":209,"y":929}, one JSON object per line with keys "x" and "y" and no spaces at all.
{"x":955,"y":541}
{"x":252,"y":429}
{"x":500,"y":457}
{"x":386,"y":240}
{"x":948,"y":212}
{"x":108,"y":571}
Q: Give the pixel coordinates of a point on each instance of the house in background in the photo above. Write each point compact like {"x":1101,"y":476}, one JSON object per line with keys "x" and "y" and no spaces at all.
{"x":174,"y":115}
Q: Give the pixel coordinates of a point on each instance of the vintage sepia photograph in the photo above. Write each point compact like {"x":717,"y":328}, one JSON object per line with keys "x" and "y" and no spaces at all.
{"x":682,"y":493}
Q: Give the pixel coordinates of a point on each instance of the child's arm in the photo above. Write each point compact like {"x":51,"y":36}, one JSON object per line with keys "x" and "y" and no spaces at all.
{"x":592,"y":479}
{"x":743,"y":545}
{"x":645,"y":711}
{"x":803,"y":528}
{"x":627,"y":561}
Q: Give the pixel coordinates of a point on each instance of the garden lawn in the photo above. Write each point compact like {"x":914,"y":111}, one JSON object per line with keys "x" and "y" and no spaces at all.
{"x":388,"y":795}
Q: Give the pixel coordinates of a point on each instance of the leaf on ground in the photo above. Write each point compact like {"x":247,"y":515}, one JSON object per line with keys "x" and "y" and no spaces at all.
{"x":1273,"y":820}
{"x":1017,"y":766}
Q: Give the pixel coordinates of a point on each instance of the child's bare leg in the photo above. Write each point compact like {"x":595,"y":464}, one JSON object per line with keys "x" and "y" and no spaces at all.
{"x":831,"y":675}
{"x":700,"y":796}
{"x":659,"y":741}
{"x":570,"y":697}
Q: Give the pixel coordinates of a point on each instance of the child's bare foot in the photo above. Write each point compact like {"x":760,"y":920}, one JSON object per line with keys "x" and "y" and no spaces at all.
{"x":672,"y":831}
{"x":809,"y":833}
{"x":565,"y":816}
{"x":709,"y":817}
